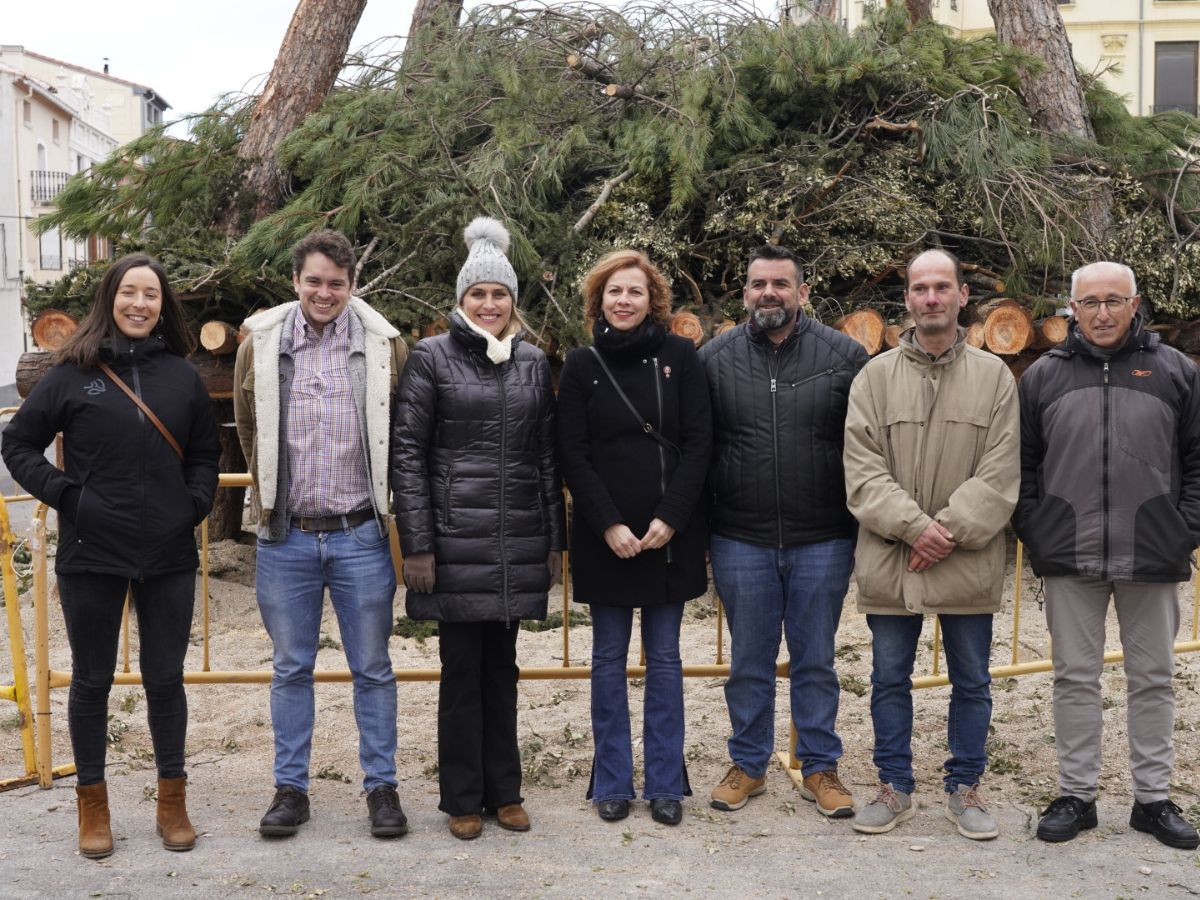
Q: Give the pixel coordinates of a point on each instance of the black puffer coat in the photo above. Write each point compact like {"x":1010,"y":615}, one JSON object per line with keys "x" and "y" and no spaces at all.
{"x":779,"y":417}
{"x":618,"y":474}
{"x":127,"y":505}
{"x":474,"y":478}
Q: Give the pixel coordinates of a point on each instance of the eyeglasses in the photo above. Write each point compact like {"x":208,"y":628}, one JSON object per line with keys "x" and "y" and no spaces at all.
{"x":1111,"y":304}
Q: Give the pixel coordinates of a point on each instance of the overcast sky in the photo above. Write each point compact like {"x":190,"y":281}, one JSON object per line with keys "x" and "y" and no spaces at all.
{"x":190,"y":53}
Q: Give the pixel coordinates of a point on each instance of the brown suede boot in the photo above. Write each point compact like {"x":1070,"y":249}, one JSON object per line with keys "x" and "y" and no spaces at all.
{"x":171,"y":815}
{"x":95,"y":835}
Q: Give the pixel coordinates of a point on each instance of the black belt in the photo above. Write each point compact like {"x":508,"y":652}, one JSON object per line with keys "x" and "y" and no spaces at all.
{"x":332,"y":523}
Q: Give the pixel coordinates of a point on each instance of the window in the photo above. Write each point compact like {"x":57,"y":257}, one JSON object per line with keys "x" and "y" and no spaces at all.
{"x":1175,"y":75}
{"x":27,"y":112}
{"x":41,"y":157}
{"x":54,"y":129}
{"x":50,"y":250}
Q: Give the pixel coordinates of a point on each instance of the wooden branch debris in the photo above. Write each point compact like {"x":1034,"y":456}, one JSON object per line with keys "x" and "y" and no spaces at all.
{"x":605,"y":192}
{"x":592,"y":68}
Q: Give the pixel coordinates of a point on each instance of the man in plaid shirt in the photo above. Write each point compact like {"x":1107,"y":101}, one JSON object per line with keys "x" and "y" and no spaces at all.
{"x":313,"y":390}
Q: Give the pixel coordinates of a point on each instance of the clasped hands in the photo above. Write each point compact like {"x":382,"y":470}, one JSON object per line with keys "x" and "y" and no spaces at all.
{"x":625,"y":545}
{"x":934,"y":545}
{"x":420,"y":571}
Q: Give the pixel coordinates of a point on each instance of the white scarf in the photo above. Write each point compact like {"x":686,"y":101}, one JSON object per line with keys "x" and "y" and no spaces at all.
{"x":498,"y":349}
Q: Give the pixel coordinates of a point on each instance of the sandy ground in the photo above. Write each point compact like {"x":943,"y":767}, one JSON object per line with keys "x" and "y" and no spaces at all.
{"x":778,"y":846}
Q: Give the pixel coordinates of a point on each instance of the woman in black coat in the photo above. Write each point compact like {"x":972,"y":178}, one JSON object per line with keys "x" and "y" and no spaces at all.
{"x":127,"y":503}
{"x":479,"y":510}
{"x":636,"y":478}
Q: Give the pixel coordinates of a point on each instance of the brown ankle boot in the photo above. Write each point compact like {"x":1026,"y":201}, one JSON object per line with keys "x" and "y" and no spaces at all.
{"x":95,"y":835}
{"x":171,"y":815}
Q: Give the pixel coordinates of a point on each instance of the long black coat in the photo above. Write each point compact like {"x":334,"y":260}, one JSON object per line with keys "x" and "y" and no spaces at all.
{"x":127,"y":505}
{"x":474,"y":479}
{"x":617,"y":473}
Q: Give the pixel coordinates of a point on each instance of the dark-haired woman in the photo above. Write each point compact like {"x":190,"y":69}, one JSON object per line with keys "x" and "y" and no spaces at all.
{"x":128,"y":499}
{"x":636,"y":477}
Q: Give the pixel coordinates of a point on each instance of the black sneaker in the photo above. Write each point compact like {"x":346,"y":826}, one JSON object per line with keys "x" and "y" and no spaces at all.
{"x":1066,"y":817}
{"x":287,"y":812}
{"x":668,"y":812}
{"x":387,"y":818}
{"x":1165,"y":821}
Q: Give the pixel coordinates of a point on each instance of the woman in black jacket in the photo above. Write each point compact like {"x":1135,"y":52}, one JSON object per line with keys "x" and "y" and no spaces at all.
{"x":479,"y":511}
{"x":128,"y":501}
{"x":636,"y":478}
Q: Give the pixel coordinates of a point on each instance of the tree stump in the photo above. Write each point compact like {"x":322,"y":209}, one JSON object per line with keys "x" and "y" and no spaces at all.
{"x":52,"y":327}
{"x":723,"y":326}
{"x":1049,"y":332}
{"x":864,"y":325}
{"x":975,"y":335}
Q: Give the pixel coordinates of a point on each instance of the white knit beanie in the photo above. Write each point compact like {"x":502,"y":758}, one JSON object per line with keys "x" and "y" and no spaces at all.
{"x":487,"y":242}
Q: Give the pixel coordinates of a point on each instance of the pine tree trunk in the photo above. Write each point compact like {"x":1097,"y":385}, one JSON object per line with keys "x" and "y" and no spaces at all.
{"x":304,"y":72}
{"x":1054,"y":97}
{"x":825,"y":9}
{"x":919,"y":10}
{"x":428,"y":10}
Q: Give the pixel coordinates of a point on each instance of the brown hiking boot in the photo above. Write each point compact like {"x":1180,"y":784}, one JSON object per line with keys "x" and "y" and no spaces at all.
{"x":95,"y":835}
{"x":171,"y":818}
{"x":735,"y":789}
{"x":512,"y":816}
{"x":466,"y":828}
{"x":827,"y":791}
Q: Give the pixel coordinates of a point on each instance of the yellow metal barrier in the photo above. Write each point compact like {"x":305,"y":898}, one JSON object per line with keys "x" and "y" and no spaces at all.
{"x":39,"y":763}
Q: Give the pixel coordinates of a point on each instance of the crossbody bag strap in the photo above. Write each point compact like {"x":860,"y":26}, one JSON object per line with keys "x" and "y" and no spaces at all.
{"x":138,"y":402}
{"x":645,"y":426}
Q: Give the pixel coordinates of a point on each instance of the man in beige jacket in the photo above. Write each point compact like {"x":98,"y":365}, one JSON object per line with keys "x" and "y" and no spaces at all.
{"x":932,"y":461}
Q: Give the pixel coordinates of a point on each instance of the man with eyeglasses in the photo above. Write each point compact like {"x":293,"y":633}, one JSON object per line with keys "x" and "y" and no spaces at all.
{"x":1110,"y":507}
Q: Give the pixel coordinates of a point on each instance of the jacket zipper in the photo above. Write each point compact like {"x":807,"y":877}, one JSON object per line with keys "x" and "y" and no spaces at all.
{"x":797,"y":384}
{"x":449,"y":485}
{"x":503,"y":495}
{"x":774,"y":372}
{"x":137,"y":389}
{"x":1104,"y":480}
{"x":662,"y":455}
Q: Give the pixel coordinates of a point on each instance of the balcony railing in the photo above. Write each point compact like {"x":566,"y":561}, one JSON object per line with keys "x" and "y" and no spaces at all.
{"x":44,"y":185}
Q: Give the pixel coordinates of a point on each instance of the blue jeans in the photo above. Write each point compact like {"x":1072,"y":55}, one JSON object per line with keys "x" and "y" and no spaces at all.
{"x":356,"y":565}
{"x":662,"y":709}
{"x":968,"y":643}
{"x":800,"y":588}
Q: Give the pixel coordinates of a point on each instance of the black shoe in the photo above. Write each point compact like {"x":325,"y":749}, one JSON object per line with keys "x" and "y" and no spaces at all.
{"x":668,"y":812}
{"x":613,"y":810}
{"x":287,"y":812}
{"x":1066,"y":817}
{"x":1165,"y":821}
{"x":387,"y":818}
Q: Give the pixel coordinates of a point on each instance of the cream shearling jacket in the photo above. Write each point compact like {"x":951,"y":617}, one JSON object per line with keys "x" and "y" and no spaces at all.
{"x":262,"y":379}
{"x":932,"y":440}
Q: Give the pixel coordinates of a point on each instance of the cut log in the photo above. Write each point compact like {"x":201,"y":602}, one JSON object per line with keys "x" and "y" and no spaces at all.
{"x":723,"y":326}
{"x":864,"y":325}
{"x":218,"y":338}
{"x":30,"y":369}
{"x":1049,"y":332}
{"x":52,"y":327}
{"x":891,"y":334}
{"x":978,"y":312}
{"x":1007,"y":330}
{"x":975,"y":334}
{"x":439,"y":325}
{"x":216,"y":372}
{"x":687,"y":324}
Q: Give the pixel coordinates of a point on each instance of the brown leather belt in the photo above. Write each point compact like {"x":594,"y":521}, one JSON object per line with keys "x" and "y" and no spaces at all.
{"x":332,"y":523}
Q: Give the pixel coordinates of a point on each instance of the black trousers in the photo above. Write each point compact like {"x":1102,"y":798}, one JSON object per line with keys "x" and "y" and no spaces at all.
{"x":479,"y":763}
{"x":92,"y":606}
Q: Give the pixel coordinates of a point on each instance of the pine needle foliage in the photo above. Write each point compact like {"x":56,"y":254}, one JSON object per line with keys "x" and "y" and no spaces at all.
{"x":706,"y":128}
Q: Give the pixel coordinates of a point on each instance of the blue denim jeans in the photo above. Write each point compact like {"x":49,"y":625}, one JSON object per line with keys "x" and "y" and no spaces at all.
{"x":968,"y":643}
{"x":662,"y":708}
{"x":800,"y":588}
{"x":356,"y":565}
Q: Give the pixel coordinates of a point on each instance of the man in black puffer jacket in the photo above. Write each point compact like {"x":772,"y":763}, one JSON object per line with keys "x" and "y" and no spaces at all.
{"x":782,"y":542}
{"x":1110,"y":506}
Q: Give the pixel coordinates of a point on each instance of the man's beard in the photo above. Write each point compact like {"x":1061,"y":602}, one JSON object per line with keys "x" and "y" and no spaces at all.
{"x":770,"y":319}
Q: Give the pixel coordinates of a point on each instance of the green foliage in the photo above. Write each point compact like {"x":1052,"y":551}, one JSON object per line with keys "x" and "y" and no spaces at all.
{"x":855,"y":149}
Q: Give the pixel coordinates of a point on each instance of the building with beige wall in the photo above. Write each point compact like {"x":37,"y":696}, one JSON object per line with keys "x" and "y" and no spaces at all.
{"x":132,"y":108}
{"x":47,"y":134}
{"x":1147,"y":50}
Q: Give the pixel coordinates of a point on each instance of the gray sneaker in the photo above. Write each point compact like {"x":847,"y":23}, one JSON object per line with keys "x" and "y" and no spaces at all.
{"x":889,"y":808}
{"x":964,"y":807}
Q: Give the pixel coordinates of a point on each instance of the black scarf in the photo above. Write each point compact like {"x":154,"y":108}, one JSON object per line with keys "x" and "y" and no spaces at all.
{"x":645,"y":339}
